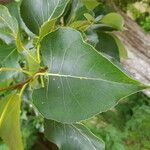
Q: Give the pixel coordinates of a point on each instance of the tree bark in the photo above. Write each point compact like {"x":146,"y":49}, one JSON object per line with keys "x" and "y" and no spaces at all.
{"x":137,"y":43}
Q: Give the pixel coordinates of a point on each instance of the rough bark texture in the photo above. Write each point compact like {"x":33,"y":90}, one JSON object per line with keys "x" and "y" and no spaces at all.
{"x":138,"y":45}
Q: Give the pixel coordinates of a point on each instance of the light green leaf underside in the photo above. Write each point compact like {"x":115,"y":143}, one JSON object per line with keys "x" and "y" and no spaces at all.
{"x":90,"y":4}
{"x":10,"y":122}
{"x":42,"y":13}
{"x":8,"y":59}
{"x":72,"y":136}
{"x":81,"y":81}
{"x":114,"y":20}
{"x":8,"y":26}
{"x":122,"y":50}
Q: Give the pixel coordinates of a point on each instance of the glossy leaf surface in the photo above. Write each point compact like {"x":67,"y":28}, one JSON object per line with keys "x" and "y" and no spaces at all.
{"x":81,"y":81}
{"x":40,"y":15}
{"x":72,"y":136}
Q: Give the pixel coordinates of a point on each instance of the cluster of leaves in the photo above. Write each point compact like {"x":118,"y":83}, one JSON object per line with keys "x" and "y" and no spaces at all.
{"x":62,"y":58}
{"x":127,"y":126}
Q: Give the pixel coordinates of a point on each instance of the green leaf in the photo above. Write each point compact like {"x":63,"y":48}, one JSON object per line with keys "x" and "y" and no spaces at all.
{"x":81,"y":81}
{"x":10,"y":122}
{"x":40,"y":16}
{"x":107,"y":44}
{"x":8,"y":26}
{"x":9,"y":30}
{"x":114,"y":20}
{"x":8,"y":59}
{"x":89,"y":17}
{"x":122,"y":50}
{"x":72,"y":136}
{"x":78,"y":10}
{"x":80,"y":25}
{"x":90,"y":4}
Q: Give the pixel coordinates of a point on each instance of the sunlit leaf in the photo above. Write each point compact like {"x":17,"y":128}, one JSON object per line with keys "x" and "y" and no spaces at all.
{"x":72,"y":136}
{"x":114,"y":20}
{"x":90,"y":4}
{"x":10,"y":122}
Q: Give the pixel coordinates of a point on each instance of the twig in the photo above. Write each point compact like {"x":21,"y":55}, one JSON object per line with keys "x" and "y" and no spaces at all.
{"x":21,"y":84}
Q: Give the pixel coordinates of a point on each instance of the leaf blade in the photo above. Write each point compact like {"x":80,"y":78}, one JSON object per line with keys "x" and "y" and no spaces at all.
{"x":42,"y":21}
{"x":72,"y":136}
{"x":80,"y":79}
{"x":10,"y":123}
{"x":8,"y":25}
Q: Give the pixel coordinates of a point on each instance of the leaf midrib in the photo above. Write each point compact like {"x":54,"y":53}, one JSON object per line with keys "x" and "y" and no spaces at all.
{"x":88,"y":78}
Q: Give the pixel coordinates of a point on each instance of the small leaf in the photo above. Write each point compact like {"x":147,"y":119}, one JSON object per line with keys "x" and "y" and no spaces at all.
{"x":81,"y":81}
{"x":115,"y":20}
{"x":9,"y":30}
{"x":40,"y":16}
{"x":72,"y":136}
{"x":10,"y":122}
{"x":90,"y":4}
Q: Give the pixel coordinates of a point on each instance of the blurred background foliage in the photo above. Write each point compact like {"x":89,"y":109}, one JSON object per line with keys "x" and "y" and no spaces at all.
{"x":125,"y":127}
{"x":138,"y":10}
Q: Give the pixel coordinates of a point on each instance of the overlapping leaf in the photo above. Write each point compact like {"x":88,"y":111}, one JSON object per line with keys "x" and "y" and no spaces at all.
{"x":114,"y":20}
{"x":110,"y":44}
{"x":72,"y":137}
{"x":8,"y":26}
{"x":81,"y":81}
{"x":8,"y":59}
{"x":10,"y":122}
{"x":40,"y":16}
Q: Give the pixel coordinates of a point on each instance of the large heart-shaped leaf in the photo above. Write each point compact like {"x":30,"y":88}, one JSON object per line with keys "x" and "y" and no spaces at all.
{"x":72,"y":136}
{"x":8,"y":59}
{"x":40,"y":15}
{"x":10,"y":122}
{"x":8,"y":26}
{"x":81,"y":81}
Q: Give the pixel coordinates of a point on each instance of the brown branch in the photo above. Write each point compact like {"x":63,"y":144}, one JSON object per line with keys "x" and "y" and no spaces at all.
{"x":21,"y":84}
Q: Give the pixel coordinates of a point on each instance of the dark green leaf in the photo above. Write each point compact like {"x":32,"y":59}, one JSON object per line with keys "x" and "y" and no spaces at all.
{"x":108,"y":45}
{"x":72,"y":136}
{"x":8,"y":59}
{"x":40,"y":16}
{"x":81,"y":81}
